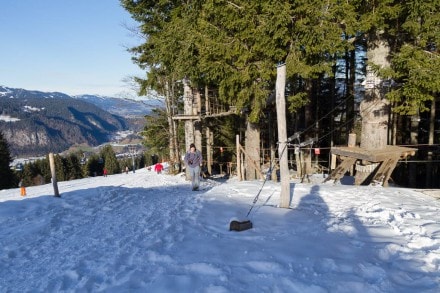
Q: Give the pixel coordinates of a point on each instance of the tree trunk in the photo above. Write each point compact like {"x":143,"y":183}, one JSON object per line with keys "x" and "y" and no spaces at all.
{"x":188,"y":110}
{"x":169,"y":110}
{"x":252,"y":147}
{"x":430,"y":142}
{"x":209,"y":143}
{"x":394,"y":117}
{"x":237,"y":145}
{"x":374,"y":107}
{"x":308,"y":110}
{"x":198,"y":134}
{"x":414,"y":135}
{"x":197,"y":109}
{"x":332,"y":108}
{"x":350,"y":65}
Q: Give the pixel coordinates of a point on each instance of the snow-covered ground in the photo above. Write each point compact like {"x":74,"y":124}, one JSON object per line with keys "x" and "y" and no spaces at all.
{"x":144,"y":232}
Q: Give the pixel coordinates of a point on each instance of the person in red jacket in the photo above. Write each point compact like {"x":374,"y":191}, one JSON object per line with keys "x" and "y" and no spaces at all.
{"x":158,"y":168}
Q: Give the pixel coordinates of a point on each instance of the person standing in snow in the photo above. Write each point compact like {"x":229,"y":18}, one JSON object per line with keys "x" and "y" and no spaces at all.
{"x":22,"y":188}
{"x":158,"y":168}
{"x":193,"y":161}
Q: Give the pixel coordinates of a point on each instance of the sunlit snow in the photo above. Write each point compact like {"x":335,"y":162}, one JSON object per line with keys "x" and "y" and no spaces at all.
{"x":144,"y":232}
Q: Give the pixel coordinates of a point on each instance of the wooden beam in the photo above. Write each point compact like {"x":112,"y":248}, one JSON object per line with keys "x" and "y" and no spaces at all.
{"x":375,"y":156}
{"x":384,"y":172}
{"x":340,"y":170}
{"x":187,"y":117}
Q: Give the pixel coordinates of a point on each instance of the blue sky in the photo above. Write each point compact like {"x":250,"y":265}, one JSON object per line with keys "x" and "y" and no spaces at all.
{"x":69,"y":46}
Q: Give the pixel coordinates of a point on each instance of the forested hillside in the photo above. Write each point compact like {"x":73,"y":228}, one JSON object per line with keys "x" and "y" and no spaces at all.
{"x":36,"y":123}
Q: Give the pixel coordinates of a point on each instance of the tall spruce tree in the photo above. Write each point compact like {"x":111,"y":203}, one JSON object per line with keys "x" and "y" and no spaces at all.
{"x":416,"y":58}
{"x":6,"y":174}
{"x":109,"y":160}
{"x":414,"y":68}
{"x":155,"y":133}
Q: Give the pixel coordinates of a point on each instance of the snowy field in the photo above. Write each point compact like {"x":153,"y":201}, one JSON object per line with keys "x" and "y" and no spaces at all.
{"x":143,"y":232}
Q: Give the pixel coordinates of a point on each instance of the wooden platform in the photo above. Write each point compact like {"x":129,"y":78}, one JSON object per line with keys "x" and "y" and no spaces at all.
{"x":375,"y":156}
{"x":386,"y":160}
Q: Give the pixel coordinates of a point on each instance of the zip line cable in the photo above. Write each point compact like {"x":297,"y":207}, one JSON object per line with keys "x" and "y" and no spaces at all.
{"x":325,"y":116}
{"x":332,"y":131}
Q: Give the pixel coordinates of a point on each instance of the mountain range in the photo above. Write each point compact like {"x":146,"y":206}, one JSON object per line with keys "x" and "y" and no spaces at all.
{"x":35,"y":122}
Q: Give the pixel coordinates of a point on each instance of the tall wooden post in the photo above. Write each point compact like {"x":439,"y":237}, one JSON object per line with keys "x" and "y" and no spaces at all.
{"x":282,"y":136}
{"x":54,"y":175}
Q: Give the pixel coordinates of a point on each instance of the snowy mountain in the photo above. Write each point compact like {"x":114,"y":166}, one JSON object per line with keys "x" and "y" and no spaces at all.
{"x":144,"y":232}
{"x":123,"y":107}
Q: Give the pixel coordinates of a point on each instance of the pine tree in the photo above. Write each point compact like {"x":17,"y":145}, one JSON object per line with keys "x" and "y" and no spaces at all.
{"x":94,"y":165}
{"x":109,"y":160}
{"x":73,"y":167}
{"x":415,"y":60}
{"x":155,"y":133}
{"x":30,"y":171}
{"x":60,"y":168}
{"x":7,"y":179}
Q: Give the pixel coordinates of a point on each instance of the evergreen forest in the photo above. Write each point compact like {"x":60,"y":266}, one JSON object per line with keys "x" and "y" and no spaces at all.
{"x":228,"y":51}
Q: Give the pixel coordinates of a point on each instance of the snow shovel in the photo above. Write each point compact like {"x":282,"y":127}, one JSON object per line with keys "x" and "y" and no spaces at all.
{"x":240,"y":225}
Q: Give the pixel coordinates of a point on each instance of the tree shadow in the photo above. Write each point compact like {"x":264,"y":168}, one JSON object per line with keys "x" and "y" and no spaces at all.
{"x":343,"y":248}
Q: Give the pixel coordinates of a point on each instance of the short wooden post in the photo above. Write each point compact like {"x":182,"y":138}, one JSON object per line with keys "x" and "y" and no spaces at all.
{"x":352,"y":140}
{"x":333,"y":162}
{"x":54,"y":175}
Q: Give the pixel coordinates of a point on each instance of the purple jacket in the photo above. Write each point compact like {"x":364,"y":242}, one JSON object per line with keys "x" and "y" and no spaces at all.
{"x":193,"y":159}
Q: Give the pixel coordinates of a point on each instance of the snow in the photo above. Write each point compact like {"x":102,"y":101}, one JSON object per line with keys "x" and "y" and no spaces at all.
{"x":32,"y":109}
{"x":8,"y":118}
{"x":148,"y":232}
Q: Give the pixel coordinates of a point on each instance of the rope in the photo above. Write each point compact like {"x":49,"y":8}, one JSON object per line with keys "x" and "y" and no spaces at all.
{"x":264,"y":182}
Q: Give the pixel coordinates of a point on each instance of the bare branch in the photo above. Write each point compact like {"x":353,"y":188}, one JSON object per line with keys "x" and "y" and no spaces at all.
{"x":235,"y":5}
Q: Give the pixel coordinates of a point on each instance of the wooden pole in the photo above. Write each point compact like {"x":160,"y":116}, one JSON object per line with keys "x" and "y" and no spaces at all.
{"x":54,"y":175}
{"x":282,"y":136}
{"x":237,"y":142}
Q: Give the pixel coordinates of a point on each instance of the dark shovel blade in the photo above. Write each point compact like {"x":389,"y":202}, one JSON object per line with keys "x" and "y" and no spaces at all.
{"x":240,"y":226}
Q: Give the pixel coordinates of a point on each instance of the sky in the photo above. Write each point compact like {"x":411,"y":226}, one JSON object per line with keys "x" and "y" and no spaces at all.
{"x":148,"y":232}
{"x":74,"y":47}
